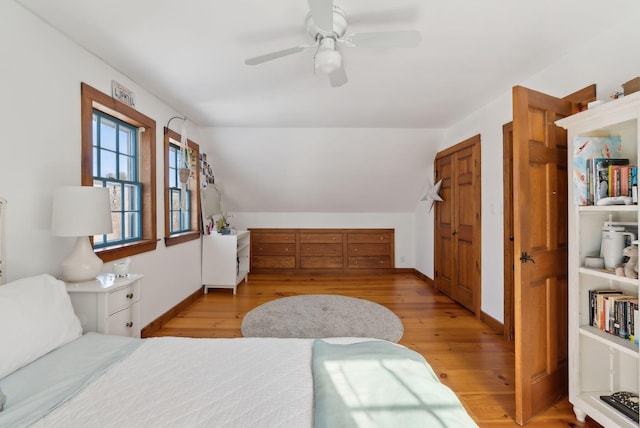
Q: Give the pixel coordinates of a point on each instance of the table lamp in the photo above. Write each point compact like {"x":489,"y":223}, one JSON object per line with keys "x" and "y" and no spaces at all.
{"x":81,"y":211}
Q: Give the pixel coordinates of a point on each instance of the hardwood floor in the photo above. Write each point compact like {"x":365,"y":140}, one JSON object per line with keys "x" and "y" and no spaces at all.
{"x":469,"y":357}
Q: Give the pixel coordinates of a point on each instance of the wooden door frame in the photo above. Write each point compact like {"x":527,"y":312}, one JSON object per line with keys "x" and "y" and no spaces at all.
{"x":507,"y":173}
{"x":474,"y":143}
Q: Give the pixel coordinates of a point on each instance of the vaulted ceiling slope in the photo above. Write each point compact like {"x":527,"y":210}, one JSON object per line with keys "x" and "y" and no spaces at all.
{"x":191,"y":53}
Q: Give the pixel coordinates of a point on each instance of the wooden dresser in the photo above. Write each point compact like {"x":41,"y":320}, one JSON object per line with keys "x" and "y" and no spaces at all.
{"x":317,"y":251}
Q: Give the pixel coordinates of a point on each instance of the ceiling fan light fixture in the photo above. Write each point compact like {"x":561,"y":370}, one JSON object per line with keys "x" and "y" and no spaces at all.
{"x":328,"y":59}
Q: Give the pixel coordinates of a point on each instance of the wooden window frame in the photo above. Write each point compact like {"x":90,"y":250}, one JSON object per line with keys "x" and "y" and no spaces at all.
{"x":92,"y":99}
{"x":195,"y":232}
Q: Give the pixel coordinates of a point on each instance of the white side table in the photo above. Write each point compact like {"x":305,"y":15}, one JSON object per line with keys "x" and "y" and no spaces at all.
{"x":109,"y":304}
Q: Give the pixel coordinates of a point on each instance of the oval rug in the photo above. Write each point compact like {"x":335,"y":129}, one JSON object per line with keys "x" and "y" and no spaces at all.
{"x":322,"y":315}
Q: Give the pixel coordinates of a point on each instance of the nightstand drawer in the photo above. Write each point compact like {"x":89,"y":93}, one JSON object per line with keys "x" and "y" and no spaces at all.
{"x":122,"y":323}
{"x":123,"y":298}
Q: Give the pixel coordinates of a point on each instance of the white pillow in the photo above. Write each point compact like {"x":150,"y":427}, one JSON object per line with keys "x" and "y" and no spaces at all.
{"x":36,"y":316}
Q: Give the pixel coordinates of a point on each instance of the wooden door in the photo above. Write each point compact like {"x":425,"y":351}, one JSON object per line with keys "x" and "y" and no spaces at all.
{"x":457,"y":247}
{"x":540,"y":247}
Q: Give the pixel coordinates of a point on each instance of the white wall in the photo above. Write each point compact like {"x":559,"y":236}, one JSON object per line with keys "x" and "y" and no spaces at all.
{"x":608,"y":61}
{"x":41,"y":71}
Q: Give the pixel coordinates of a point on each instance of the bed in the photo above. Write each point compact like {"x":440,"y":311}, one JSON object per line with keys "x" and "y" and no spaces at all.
{"x":54,"y":376}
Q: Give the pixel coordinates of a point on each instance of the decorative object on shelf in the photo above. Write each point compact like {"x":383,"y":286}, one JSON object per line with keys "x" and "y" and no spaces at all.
{"x":121,"y":269}
{"x":624,"y":401}
{"x":631,"y":266}
{"x":614,"y":240}
{"x":631,"y":86}
{"x":81,"y":211}
{"x":432,"y":195}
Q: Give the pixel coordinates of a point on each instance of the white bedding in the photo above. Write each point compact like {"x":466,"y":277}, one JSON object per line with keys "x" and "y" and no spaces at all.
{"x":171,"y":382}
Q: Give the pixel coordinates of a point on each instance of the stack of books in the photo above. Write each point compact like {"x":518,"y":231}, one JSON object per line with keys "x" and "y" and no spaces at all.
{"x":614,"y":312}
{"x":600,"y":172}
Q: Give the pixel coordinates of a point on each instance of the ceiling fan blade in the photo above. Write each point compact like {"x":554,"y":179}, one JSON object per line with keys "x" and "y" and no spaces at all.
{"x":338,"y":77}
{"x":322,"y":13}
{"x":274,"y":55}
{"x":391,"y":39}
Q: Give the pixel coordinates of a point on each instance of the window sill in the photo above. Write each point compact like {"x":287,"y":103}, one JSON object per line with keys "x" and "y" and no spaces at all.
{"x":181,"y":237}
{"x":121,"y":251}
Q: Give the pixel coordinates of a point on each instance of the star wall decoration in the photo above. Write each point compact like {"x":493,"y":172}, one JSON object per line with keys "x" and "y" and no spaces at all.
{"x":432,"y":196}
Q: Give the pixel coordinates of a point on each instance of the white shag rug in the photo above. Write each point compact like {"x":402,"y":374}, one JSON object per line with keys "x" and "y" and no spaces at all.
{"x":322,"y":315}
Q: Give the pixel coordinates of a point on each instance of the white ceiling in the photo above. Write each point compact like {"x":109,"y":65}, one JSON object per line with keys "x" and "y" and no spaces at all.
{"x":190,"y":53}
{"x":325,"y":150}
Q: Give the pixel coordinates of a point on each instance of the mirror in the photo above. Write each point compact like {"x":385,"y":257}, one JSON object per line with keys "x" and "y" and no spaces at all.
{"x":211,"y":202}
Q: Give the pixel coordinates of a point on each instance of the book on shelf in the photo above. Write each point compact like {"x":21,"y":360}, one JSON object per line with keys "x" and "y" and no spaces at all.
{"x":585,"y":149}
{"x":596,"y":303}
{"x":620,"y":180}
{"x":614,"y":312}
{"x":605,"y":171}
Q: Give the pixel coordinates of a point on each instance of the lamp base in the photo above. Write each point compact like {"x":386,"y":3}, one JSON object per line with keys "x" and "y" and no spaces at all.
{"x":82,"y":264}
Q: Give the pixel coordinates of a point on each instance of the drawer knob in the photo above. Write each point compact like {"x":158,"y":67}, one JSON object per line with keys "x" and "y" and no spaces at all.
{"x":129,"y":324}
{"x":130,"y":296}
{"x":355,"y":249}
{"x":286,"y":249}
{"x":334,"y":238}
{"x":381,"y":261}
{"x":381,"y":238}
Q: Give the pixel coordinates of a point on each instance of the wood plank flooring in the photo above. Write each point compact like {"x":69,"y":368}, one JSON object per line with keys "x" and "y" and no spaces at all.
{"x":469,"y":357}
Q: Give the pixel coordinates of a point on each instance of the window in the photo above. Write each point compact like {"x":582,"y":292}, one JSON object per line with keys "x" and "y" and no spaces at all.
{"x":118,"y":152}
{"x":182,"y":204}
{"x":115,"y":160}
{"x":179,"y":200}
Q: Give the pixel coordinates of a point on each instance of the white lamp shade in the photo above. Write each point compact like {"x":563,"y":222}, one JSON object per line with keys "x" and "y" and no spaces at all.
{"x":81,"y":211}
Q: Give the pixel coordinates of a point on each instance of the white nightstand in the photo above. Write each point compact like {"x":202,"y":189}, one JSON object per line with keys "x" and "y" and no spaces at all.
{"x":108,"y":305}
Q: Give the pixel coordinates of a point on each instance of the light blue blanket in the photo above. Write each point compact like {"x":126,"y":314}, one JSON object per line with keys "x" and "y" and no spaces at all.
{"x":380,"y":384}
{"x":41,"y":386}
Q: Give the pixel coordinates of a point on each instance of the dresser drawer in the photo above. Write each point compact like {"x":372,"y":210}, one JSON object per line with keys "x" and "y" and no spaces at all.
{"x":273,"y":262}
{"x":320,"y":250}
{"x":381,"y":262}
{"x":273,"y":237}
{"x":369,"y":250}
{"x":320,"y":262}
{"x":321,"y":238}
{"x":369,"y":238}
{"x":122,"y":322}
{"x":123,"y":298}
{"x":261,"y":249}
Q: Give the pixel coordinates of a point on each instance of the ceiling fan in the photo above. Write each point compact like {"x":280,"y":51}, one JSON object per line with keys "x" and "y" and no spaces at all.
{"x":327,"y":24}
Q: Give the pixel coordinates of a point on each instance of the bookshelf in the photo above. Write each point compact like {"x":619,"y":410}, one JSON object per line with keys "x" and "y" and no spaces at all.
{"x":600,"y":363}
